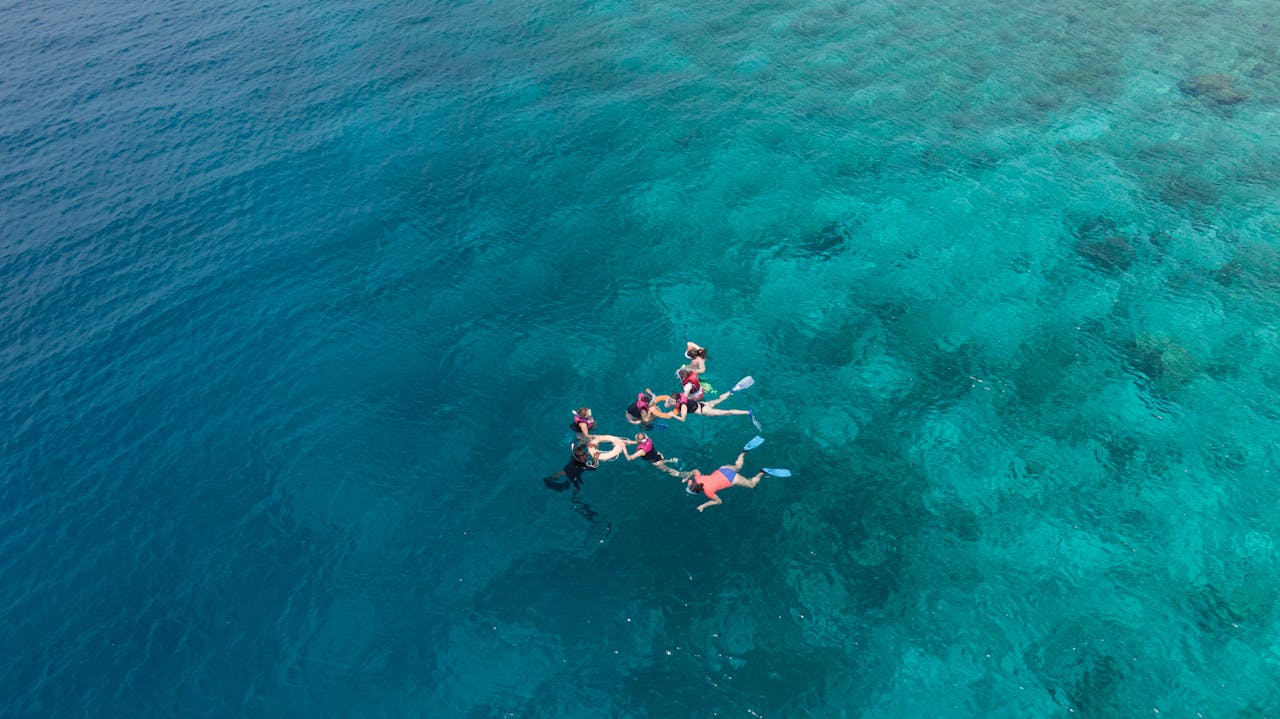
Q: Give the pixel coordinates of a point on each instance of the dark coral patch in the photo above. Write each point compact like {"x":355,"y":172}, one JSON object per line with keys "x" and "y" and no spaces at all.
{"x":1101,"y":242}
{"x":1213,"y":88}
{"x":1113,"y":253}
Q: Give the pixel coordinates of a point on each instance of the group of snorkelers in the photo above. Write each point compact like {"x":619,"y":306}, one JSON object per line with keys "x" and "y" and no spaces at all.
{"x":587,"y":452}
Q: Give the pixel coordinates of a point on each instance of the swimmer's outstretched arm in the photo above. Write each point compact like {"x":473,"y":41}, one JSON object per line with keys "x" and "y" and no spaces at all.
{"x":711,"y":503}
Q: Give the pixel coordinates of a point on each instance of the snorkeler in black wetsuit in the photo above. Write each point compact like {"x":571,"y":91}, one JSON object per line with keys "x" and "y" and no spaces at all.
{"x":580,"y":463}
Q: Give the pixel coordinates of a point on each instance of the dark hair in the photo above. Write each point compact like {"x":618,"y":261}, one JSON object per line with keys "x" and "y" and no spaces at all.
{"x":683,"y":373}
{"x":697,"y":352}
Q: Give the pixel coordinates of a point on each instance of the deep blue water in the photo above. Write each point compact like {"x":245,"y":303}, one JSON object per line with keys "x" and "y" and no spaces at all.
{"x":297,"y":298}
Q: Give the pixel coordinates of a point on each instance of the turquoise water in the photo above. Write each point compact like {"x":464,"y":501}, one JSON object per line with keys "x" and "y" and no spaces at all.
{"x":298,"y":298}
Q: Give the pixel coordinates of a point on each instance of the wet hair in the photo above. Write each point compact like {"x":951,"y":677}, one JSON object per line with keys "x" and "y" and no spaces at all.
{"x":583,"y":411}
{"x":641,"y":436}
{"x":696,"y":352}
{"x":683,"y":373}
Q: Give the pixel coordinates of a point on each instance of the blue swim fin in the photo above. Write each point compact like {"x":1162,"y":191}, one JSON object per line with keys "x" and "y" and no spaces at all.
{"x":753,"y":443}
{"x":776,"y":472}
{"x":743,"y":383}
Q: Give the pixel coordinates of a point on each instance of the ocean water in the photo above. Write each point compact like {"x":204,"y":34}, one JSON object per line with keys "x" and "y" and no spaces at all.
{"x":297,"y":298}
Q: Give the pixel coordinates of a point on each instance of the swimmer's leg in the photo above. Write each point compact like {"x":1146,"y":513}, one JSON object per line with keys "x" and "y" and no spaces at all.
{"x":717,"y":400}
{"x":662,"y":467}
{"x":708,"y":411}
{"x":558,"y":486}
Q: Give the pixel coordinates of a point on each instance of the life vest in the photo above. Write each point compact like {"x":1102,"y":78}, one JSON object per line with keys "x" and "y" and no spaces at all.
{"x":692,"y":385}
{"x":645,"y":446}
{"x":589,"y":421}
